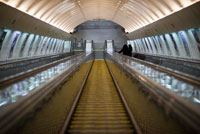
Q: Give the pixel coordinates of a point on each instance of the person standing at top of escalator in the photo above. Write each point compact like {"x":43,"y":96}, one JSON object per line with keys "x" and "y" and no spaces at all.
{"x":130,"y":50}
{"x":125,"y":50}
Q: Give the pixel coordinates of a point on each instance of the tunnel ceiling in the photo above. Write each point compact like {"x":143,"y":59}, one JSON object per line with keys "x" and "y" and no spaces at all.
{"x":130,"y":14}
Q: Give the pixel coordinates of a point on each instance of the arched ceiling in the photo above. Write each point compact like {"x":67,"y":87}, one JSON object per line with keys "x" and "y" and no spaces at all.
{"x":130,"y":14}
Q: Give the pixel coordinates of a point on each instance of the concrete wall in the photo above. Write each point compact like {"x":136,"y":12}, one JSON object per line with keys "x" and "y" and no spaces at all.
{"x":99,"y":31}
{"x":100,"y":35}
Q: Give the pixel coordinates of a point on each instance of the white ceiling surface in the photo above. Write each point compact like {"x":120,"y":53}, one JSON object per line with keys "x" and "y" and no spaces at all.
{"x":130,"y":14}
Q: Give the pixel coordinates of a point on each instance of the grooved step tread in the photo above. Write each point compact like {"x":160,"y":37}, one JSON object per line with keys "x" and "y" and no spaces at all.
{"x":100,"y":109}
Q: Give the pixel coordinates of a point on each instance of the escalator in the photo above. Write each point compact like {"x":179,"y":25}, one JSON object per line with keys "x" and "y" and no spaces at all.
{"x":100,"y":109}
{"x":91,"y":102}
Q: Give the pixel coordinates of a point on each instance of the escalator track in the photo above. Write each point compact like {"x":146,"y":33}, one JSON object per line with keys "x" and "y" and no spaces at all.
{"x":100,"y":108}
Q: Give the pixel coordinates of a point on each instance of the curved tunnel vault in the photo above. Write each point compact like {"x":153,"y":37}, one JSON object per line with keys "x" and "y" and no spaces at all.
{"x":130,"y":14}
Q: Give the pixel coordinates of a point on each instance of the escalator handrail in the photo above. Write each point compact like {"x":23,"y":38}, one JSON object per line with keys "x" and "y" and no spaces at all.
{"x":179,"y":75}
{"x":17,"y":61}
{"x":11,"y":114}
{"x":14,"y":78}
{"x":191,"y":112}
{"x":175,"y":59}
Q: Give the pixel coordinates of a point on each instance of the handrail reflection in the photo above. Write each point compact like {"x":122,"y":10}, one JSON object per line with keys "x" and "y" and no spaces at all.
{"x":180,"y":88}
{"x":14,"y":92}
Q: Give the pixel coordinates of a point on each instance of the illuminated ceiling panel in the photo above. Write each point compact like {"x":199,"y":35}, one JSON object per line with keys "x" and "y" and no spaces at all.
{"x":130,"y":14}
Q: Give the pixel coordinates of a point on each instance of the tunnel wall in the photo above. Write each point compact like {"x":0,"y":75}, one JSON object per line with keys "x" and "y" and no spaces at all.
{"x":11,"y":18}
{"x":184,"y":19}
{"x":23,"y":36}
{"x":182,"y":44}
{"x":177,"y":35}
{"x":21,"y":45}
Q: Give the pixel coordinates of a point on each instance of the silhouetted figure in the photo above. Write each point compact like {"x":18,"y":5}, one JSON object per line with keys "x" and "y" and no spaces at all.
{"x":125,"y":50}
{"x":130,"y":50}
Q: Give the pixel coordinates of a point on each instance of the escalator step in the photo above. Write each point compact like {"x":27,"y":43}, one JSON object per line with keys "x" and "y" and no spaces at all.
{"x":100,"y":109}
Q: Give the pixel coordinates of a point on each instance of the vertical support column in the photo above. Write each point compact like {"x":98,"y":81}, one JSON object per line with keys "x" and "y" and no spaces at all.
{"x":64,"y":47}
{"x":46,"y":43}
{"x":5,"y":44}
{"x":50,"y":46}
{"x":30,"y":47}
{"x":47,"y":46}
{"x":41,"y":45}
{"x":170,"y":43}
{"x":70,"y":45}
{"x":139,"y":47}
{"x":153,"y":45}
{"x":185,"y":43}
{"x":157,"y":38}
{"x":132,"y":44}
{"x":148,"y":46}
{"x":140,"y":43}
{"x":25,"y":50}
{"x":165,"y":49}
{"x":157,"y":44}
{"x":12,"y":44}
{"x":197,"y":37}
{"x":193,"y":44}
{"x":53,"y":46}
{"x":18,"y":47}
{"x":180,"y":46}
{"x":147,"y":51}
{"x":57,"y":46}
{"x":38,"y":44}
{"x":135,"y":46}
